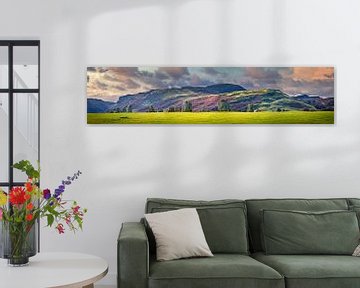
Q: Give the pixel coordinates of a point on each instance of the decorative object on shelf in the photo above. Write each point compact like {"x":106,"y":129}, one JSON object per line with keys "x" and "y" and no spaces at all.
{"x":210,"y":95}
{"x":23,"y":206}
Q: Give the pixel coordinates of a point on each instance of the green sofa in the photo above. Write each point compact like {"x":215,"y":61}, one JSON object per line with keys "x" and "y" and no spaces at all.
{"x":233,"y":230}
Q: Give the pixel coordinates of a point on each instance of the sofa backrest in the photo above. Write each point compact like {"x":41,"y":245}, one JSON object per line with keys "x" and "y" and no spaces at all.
{"x":223,"y":221}
{"x":353,"y":202}
{"x":256,"y":205}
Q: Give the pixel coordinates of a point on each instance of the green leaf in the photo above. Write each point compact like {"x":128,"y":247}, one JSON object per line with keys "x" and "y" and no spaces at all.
{"x":53,"y":211}
{"x":79,"y":221}
{"x":26,"y":167}
{"x":50,"y":219}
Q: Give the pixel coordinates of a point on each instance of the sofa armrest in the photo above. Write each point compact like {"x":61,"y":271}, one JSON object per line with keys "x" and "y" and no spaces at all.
{"x":133,"y":256}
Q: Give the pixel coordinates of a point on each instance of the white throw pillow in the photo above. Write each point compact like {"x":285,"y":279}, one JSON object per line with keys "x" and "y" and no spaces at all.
{"x":178,"y":234}
{"x":357,"y":251}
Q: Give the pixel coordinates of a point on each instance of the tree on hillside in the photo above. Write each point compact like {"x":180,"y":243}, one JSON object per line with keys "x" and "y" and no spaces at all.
{"x":250,"y":108}
{"x":223,"y":105}
{"x":187,"y":107}
{"x":129,"y":108}
{"x":171,"y":109}
{"x":151,"y":108}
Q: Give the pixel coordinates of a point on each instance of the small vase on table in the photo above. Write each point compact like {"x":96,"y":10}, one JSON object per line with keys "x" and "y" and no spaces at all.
{"x":18,"y":242}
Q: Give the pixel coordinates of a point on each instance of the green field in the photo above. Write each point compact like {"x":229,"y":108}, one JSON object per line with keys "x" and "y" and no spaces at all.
{"x":291,"y":117}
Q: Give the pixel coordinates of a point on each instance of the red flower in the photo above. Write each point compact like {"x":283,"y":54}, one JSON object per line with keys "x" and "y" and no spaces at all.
{"x":60,"y":228}
{"x":27,"y":196}
{"x":29,"y":217}
{"x":17,"y":196}
{"x":29,"y":206}
{"x":29,"y":186}
{"x":68,"y":219}
{"x":75,"y":209}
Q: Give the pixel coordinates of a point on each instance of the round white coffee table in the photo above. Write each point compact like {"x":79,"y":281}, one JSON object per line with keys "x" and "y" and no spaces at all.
{"x":60,"y":270}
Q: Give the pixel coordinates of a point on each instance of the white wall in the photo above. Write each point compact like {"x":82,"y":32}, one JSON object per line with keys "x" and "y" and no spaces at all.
{"x":123,"y":165}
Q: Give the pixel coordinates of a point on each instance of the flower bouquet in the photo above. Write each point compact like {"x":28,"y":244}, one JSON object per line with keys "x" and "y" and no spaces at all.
{"x":21,"y":208}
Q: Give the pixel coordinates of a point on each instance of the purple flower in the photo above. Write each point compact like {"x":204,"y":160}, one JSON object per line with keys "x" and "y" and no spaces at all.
{"x":46,"y":194}
{"x":58,"y":192}
{"x":64,"y":183}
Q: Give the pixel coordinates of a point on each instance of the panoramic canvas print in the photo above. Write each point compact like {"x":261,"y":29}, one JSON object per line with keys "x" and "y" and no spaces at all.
{"x":210,"y":95}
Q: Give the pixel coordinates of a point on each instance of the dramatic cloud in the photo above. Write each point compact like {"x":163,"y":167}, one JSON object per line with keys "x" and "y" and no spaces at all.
{"x":314,"y":73}
{"x":211,"y":71}
{"x":130,"y":84}
{"x":110,"y":83}
{"x":174,"y":72}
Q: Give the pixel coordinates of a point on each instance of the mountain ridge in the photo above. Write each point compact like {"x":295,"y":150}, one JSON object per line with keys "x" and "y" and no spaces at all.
{"x":223,"y":97}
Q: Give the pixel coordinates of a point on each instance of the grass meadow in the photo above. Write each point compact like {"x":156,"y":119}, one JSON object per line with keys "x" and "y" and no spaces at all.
{"x":291,"y":117}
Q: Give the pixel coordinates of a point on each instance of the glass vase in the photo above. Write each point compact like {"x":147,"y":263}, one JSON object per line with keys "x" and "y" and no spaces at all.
{"x":18,"y":242}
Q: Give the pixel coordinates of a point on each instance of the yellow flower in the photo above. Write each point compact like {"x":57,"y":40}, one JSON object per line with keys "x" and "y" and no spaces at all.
{"x":3,"y":198}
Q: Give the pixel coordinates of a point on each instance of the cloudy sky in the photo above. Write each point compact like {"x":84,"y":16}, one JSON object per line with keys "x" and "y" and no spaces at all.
{"x":109,"y":83}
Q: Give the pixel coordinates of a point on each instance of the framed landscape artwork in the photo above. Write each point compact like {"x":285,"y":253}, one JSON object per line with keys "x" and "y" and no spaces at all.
{"x":210,"y":95}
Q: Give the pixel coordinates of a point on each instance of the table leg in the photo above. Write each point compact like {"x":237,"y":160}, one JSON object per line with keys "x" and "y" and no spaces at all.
{"x":89,"y":286}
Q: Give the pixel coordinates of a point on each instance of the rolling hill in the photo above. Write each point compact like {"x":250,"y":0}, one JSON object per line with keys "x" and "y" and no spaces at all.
{"x":223,"y":97}
{"x":98,"y":106}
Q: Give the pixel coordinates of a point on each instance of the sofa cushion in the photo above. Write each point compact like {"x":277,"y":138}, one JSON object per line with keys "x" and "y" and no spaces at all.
{"x":356,"y":209}
{"x":313,"y":271}
{"x":354,"y":205}
{"x":353,"y":201}
{"x":222,"y":270}
{"x":255,"y":206}
{"x":224,"y":222}
{"x":297,"y":232}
